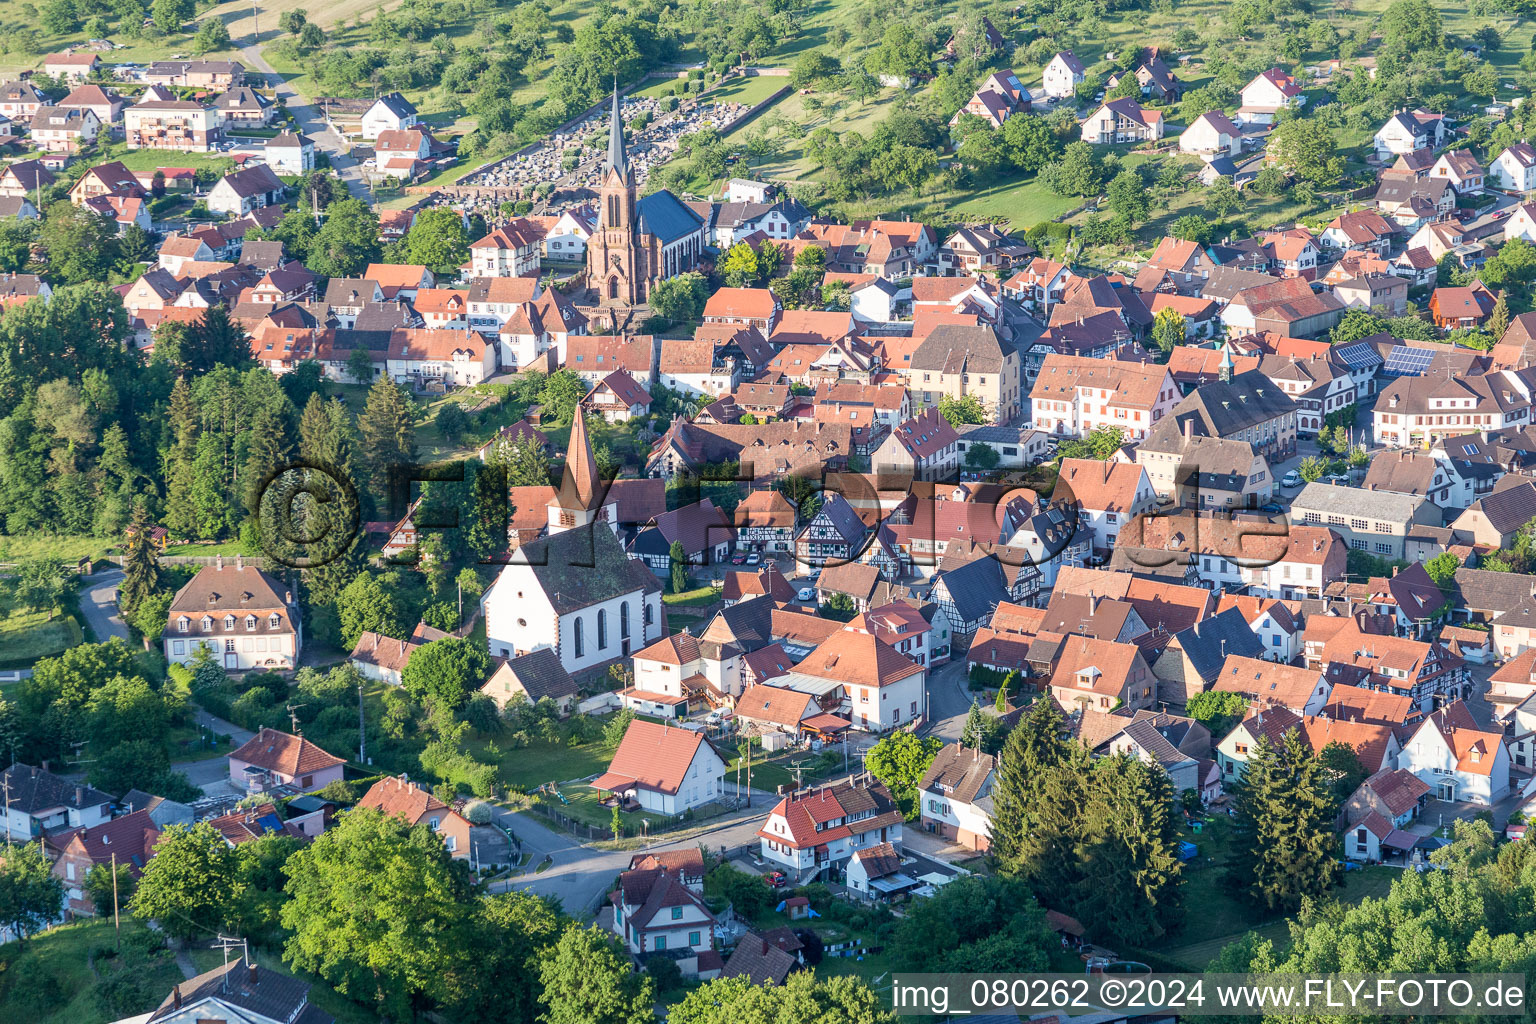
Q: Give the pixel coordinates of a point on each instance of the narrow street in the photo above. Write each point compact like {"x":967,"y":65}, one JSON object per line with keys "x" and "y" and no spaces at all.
{"x":311,"y":122}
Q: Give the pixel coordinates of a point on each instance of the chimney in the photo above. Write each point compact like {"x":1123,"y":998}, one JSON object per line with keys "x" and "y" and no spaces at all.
{"x":1189,"y":428}
{"x":254,"y":978}
{"x":79,"y":795}
{"x":176,"y":997}
{"x":240,"y":563}
{"x":218,"y":561}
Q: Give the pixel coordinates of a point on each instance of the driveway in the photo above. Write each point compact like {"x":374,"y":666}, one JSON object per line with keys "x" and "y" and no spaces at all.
{"x":98,"y":603}
{"x":949,"y":700}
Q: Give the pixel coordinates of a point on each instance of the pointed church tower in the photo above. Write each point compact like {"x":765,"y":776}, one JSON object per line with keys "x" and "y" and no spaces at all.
{"x":613,"y":253}
{"x":584,"y":496}
{"x":1227,"y":366}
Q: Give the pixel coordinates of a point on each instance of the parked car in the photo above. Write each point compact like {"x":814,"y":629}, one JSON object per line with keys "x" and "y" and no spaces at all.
{"x":738,"y":558}
{"x":775,"y":879}
{"x":806,"y":594}
{"x":1291,"y":479}
{"x":754,"y":558}
{"x":1273,"y":508}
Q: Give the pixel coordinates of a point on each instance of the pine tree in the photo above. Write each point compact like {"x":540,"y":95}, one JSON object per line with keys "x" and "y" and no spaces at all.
{"x":141,"y":564}
{"x":1498,"y":320}
{"x":1283,"y":825}
{"x":488,"y":521}
{"x":1033,"y":746}
{"x":971,"y":735}
{"x":185,"y":424}
{"x":216,"y":340}
{"x":1129,"y":852}
{"x":266,"y":450}
{"x":388,"y":431}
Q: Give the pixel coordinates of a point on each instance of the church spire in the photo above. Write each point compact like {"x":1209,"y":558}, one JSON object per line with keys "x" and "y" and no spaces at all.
{"x":1227,"y":366}
{"x":580,"y":487}
{"x":616,"y":161}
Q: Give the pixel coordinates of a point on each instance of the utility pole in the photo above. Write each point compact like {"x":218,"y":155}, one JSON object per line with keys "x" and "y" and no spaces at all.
{"x":362,"y":737}
{"x":7,"y":814}
{"x":117,"y":933}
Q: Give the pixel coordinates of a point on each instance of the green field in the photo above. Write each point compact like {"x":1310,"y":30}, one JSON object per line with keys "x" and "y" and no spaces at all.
{"x":51,"y":978}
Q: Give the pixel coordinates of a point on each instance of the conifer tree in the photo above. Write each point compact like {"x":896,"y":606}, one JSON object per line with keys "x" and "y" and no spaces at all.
{"x":1034,"y":745}
{"x":388,"y":431}
{"x":266,"y":449}
{"x":141,"y":564}
{"x":971,"y":735}
{"x":1498,"y":320}
{"x":1284,"y":836}
{"x":1129,"y":852}
{"x":180,"y":515}
{"x":327,"y":446}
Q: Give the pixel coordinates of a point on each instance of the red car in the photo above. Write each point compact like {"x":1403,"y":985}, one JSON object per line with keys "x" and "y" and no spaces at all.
{"x":775,"y":879}
{"x":738,"y":558}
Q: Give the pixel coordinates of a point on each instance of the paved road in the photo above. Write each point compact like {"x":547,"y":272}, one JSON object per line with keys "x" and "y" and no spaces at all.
{"x":311,"y":122}
{"x":949,"y":700}
{"x":98,"y":603}
{"x":580,"y":875}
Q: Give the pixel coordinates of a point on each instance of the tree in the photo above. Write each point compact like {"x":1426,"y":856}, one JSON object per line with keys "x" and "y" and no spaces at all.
{"x":962,"y":410}
{"x":1222,"y":198}
{"x":1079,"y":172}
{"x":99,"y":883}
{"x":680,"y":298}
{"x":191,"y":884}
{"x":1034,"y":745}
{"x":804,"y":998}
{"x":30,"y":895}
{"x":367,"y":604}
{"x":446,"y":671}
{"x":212,"y":35}
{"x":739,"y":266}
{"x":1217,"y":710}
{"x":982,"y":457}
{"x":379,"y":910}
{"x":1442,"y":569}
{"x":437,"y":240}
{"x":1283,"y":825}
{"x":347,"y":242}
{"x":1342,"y":766}
{"x":1356,"y":323}
{"x":388,"y":430}
{"x":311,"y":37}
{"x":1030,"y":142}
{"x":170,"y":15}
{"x":561,"y":394}
{"x":1410,"y":27}
{"x":900,"y":761}
{"x":587,"y":980}
{"x":360,"y":365}
{"x":1168,"y":329}
{"x":1312,"y":468}
{"x":1128,"y":196}
{"x":1307,"y":147}
{"x":679,"y":561}
{"x":293,"y":21}
{"x":1498,"y":320}
{"x":618,"y":725}
{"x":81,"y":243}
{"x":1191,"y":228}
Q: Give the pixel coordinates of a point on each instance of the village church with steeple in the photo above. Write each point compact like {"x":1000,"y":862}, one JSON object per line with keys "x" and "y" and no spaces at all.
{"x":639,"y":241}
{"x":575,"y":591}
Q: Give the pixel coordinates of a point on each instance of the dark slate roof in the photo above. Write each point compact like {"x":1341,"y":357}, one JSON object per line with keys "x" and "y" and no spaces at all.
{"x":976,"y":588}
{"x":1482,"y":590}
{"x":1209,"y":642}
{"x":260,"y":990}
{"x":957,"y":348}
{"x":583,"y":567}
{"x":844,"y":518}
{"x":32,"y":790}
{"x":397,"y":104}
{"x":1223,"y":408}
{"x":750,"y":623}
{"x":1510,"y":508}
{"x":664,"y":215}
{"x":542,"y":675}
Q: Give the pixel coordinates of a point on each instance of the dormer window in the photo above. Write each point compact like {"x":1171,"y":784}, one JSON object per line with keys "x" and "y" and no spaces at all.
{"x":181,"y":626}
{"x":207,"y":623}
{"x":229,"y":622}
{"x":274,"y":620}
{"x":250,"y":622}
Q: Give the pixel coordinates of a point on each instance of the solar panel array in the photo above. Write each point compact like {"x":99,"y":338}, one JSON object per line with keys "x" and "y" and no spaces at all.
{"x":1358,"y":356}
{"x":1403,"y":361}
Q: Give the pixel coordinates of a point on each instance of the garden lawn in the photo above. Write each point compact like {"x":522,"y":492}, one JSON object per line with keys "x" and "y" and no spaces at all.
{"x":26,"y":636}
{"x":542,"y":761}
{"x":698,"y":597}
